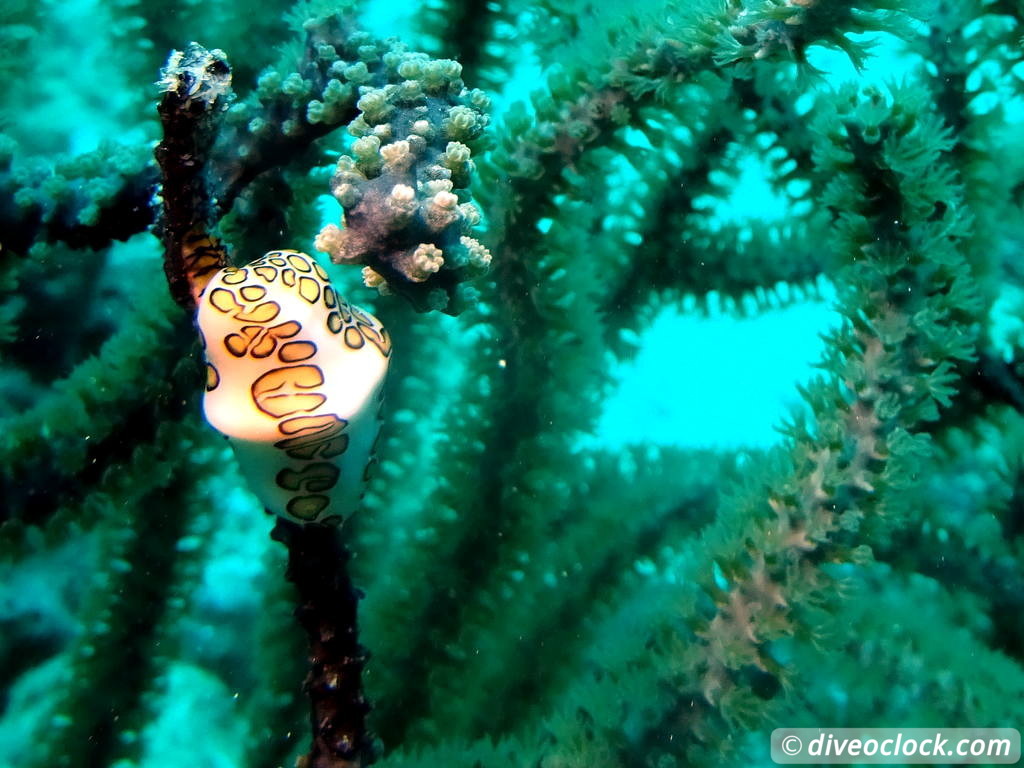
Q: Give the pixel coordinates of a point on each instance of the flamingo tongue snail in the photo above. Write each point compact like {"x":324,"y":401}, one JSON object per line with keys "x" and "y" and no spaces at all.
{"x":294,"y":379}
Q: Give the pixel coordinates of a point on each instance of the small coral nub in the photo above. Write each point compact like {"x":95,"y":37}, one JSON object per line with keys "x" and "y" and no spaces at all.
{"x":407,"y":215}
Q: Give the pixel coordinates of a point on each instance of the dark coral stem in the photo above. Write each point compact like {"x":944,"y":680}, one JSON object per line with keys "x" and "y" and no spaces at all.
{"x":318,"y":567}
{"x":196,"y":86}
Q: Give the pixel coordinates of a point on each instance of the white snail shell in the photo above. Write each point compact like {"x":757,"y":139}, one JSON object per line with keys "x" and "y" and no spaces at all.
{"x":295,"y":380}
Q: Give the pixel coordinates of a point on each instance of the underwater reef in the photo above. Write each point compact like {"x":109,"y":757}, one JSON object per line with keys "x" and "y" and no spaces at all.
{"x":518,"y":193}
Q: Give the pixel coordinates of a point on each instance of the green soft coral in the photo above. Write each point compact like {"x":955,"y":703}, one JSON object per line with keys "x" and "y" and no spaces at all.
{"x":531,"y":598}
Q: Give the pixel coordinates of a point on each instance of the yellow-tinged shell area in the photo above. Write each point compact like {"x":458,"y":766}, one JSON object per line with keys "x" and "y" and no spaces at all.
{"x":295,"y":380}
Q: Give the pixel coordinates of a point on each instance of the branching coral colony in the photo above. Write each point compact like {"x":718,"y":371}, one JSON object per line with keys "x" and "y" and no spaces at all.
{"x":529,"y":600}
